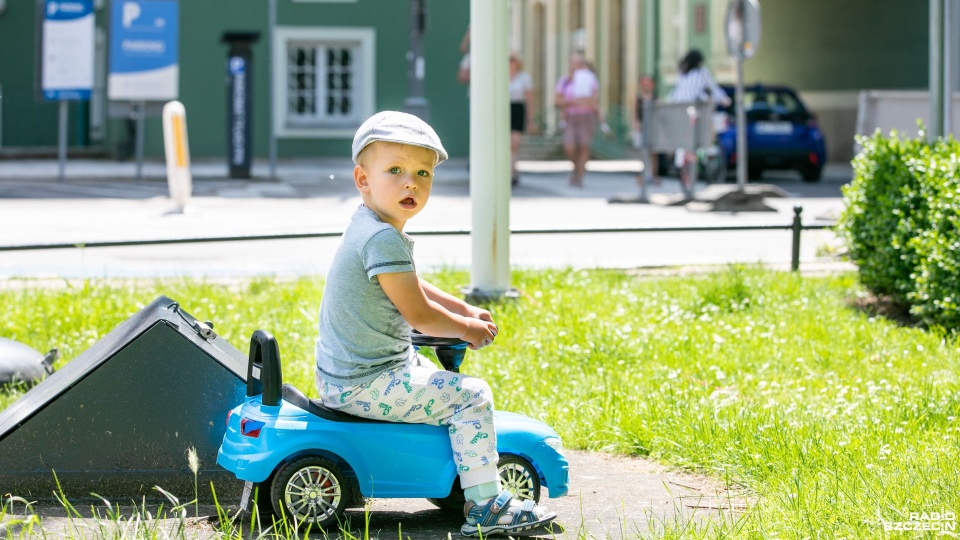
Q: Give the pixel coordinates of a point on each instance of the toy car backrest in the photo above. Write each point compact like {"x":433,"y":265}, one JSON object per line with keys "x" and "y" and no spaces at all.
{"x":293,"y":395}
{"x":263,"y":368}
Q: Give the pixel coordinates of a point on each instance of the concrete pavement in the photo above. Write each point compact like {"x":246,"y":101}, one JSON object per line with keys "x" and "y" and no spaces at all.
{"x":611,"y":497}
{"x":104,"y":201}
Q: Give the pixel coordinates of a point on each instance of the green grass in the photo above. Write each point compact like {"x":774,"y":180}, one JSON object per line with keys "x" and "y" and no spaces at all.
{"x":832,"y":420}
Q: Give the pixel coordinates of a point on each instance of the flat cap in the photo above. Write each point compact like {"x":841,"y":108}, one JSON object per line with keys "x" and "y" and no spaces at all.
{"x":397,"y":127}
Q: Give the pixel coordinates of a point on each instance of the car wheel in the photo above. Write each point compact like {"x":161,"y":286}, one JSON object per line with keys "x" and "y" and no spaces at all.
{"x":310,"y":490}
{"x":811,"y":173}
{"x":664,"y":165}
{"x":713,"y":168}
{"x":516,"y":475}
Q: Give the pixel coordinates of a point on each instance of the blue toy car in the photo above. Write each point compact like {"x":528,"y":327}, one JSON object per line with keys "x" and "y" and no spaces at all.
{"x":315,"y":462}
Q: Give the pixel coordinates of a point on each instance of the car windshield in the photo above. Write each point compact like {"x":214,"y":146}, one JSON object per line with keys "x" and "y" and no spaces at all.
{"x":771,"y":104}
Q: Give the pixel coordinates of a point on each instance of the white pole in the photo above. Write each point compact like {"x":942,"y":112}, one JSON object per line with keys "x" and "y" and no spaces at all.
{"x":947,"y":55}
{"x":272,"y":70}
{"x":489,"y":148}
{"x":141,"y":108}
{"x":177,"y":151}
{"x":935,"y":86}
{"x":62,"y":138}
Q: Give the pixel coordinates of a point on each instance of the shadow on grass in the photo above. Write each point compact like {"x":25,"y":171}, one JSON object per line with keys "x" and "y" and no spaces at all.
{"x":885,"y":307}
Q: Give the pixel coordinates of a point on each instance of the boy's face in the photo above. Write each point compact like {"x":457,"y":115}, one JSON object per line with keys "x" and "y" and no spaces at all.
{"x":395,"y":180}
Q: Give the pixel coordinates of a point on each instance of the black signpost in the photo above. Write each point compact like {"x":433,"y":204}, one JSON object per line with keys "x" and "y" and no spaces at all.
{"x":239,"y":101}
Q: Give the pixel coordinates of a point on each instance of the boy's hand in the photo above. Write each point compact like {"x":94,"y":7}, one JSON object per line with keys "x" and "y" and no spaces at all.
{"x":480,"y":333}
{"x":478,"y":313}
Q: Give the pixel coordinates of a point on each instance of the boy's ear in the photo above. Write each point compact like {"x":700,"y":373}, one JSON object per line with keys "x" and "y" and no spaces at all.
{"x":360,"y":178}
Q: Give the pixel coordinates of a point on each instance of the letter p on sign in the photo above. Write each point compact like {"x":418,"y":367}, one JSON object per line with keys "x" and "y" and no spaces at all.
{"x":131,"y":10}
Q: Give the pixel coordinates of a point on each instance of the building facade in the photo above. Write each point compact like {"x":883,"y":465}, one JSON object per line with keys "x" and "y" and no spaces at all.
{"x":829,"y":51}
{"x":336,"y":61}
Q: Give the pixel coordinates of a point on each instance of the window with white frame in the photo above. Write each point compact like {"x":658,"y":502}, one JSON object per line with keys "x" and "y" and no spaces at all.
{"x":325,"y":84}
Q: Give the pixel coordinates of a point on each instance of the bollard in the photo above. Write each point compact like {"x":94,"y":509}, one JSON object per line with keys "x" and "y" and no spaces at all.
{"x":797,"y":227}
{"x":177,"y":152}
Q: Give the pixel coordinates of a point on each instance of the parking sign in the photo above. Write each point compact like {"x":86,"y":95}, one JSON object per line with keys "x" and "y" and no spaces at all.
{"x":144,"y":50}
{"x":67,"y":45}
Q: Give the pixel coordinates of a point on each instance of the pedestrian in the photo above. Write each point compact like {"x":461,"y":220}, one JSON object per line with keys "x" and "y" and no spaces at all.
{"x":521,"y":111}
{"x":577,"y":97}
{"x":695,"y":83}
{"x":373,"y":298}
{"x":646,"y":97}
{"x":463,"y":69}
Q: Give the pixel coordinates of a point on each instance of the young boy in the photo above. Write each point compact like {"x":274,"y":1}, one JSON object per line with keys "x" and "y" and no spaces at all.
{"x":373,"y":298}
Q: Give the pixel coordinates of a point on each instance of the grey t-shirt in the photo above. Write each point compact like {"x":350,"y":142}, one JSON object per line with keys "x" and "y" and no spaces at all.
{"x":362,"y":333}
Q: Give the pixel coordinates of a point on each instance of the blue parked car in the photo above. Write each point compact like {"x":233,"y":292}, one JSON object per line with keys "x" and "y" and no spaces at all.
{"x":781,"y":133}
{"x":315,"y":462}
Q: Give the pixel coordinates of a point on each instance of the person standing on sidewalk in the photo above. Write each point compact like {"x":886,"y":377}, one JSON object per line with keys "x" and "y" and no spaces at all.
{"x":521,"y":113}
{"x":577,"y":97}
{"x":695,"y":83}
{"x":646,"y":96}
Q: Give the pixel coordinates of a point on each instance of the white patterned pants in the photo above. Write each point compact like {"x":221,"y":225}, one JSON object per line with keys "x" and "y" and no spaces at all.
{"x":424,"y":394}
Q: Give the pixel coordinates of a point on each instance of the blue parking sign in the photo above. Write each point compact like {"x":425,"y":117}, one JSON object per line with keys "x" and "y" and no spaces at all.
{"x":144,"y":50}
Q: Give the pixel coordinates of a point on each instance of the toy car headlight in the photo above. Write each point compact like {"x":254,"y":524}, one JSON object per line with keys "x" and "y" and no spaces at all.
{"x":555,"y":443}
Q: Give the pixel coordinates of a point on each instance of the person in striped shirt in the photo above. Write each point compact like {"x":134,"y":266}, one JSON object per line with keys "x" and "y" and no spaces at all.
{"x":695,"y":83}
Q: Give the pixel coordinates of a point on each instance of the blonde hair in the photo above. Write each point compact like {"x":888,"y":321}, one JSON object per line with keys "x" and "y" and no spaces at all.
{"x":367,"y":154}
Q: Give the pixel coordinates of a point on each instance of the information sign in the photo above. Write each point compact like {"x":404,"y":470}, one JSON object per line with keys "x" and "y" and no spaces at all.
{"x":144,"y":63}
{"x":67,"y":46}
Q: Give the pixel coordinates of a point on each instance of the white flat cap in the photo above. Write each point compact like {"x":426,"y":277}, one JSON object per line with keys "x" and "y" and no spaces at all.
{"x":397,"y":127}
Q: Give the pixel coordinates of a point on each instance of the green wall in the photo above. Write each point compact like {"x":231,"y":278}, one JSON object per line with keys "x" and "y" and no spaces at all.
{"x":27,"y":123}
{"x":842,"y":44}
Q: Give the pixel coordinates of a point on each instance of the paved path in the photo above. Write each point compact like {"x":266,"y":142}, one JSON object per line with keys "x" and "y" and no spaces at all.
{"x":611,"y":498}
{"x":102,"y":201}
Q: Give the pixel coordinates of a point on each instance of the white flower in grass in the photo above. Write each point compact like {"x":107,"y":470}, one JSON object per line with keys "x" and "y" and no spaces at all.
{"x":193,"y":460}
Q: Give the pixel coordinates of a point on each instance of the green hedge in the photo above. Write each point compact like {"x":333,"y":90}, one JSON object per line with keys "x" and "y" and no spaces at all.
{"x":902,"y":223}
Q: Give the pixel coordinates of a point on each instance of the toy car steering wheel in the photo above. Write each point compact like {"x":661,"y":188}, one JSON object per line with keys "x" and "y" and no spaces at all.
{"x":450,"y":351}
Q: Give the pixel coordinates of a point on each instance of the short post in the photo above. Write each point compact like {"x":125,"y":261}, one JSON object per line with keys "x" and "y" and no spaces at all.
{"x":177,"y":153}
{"x":797,"y":227}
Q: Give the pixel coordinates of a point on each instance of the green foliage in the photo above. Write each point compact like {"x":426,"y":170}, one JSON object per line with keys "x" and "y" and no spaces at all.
{"x":883,"y":210}
{"x":902,"y":224}
{"x":936,"y":295}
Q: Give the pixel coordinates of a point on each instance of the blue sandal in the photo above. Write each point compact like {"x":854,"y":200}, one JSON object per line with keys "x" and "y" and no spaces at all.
{"x":485,"y":518}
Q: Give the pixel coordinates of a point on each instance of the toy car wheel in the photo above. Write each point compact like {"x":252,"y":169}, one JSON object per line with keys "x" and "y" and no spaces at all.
{"x":310,"y":490}
{"x":519,"y":477}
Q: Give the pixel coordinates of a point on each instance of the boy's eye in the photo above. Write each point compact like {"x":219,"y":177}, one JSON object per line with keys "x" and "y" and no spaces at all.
{"x":395,"y":170}
{"x":423,"y":173}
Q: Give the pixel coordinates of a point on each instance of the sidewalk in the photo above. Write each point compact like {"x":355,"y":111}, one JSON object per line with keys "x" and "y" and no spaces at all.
{"x":104,"y":201}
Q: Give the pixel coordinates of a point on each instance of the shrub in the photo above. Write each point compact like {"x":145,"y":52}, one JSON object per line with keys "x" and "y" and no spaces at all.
{"x":883,"y":211}
{"x":937,"y":282}
{"x":902,"y":224}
